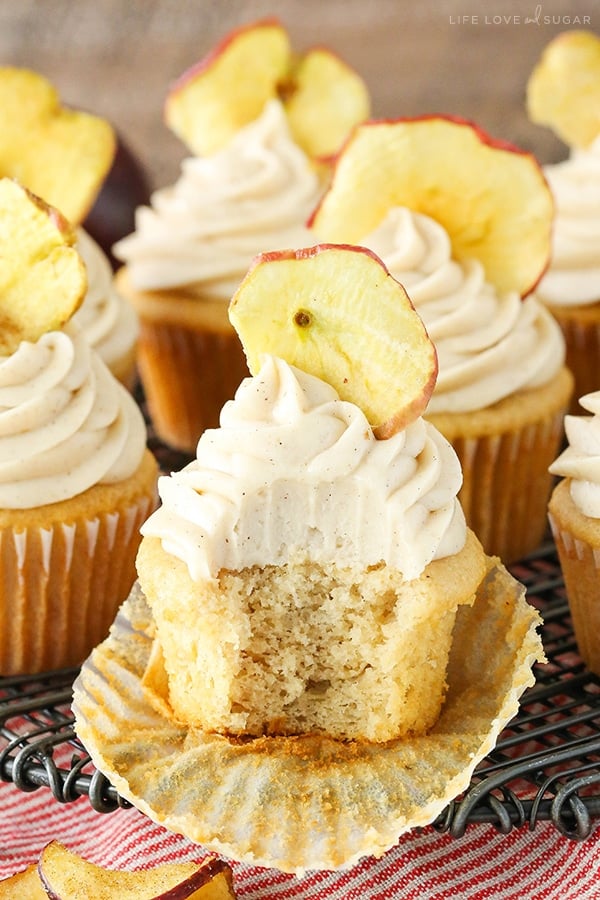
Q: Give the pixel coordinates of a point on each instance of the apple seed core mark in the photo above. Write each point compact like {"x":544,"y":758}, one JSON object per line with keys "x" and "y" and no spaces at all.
{"x":302,"y":318}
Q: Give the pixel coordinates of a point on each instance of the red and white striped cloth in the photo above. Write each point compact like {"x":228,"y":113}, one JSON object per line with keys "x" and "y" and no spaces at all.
{"x":482,"y":865}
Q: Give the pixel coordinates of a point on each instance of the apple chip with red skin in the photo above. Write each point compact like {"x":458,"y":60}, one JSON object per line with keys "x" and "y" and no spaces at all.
{"x":491,"y":197}
{"x":66,"y":876}
{"x":25,"y":885}
{"x":323,"y":97}
{"x":62,"y":155}
{"x":42,"y":277}
{"x":335,"y":312}
{"x":563,"y":90}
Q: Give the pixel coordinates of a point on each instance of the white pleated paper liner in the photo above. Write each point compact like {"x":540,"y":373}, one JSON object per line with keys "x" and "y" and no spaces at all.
{"x":309,"y":802}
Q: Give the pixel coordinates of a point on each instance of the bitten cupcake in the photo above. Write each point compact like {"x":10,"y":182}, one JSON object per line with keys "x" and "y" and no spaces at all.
{"x":248,"y":186}
{"x":563,"y":92}
{"x":76,"y":479}
{"x":574,"y":512}
{"x":64,"y":156}
{"x":463,"y":222}
{"x":301,"y":689}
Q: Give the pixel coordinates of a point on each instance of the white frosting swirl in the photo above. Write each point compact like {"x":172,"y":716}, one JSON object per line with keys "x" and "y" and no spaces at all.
{"x":293,"y":471}
{"x":489,"y":345}
{"x":65,"y":423}
{"x":109,"y":323}
{"x":202,"y":233}
{"x":581,"y":460}
{"x":574,"y":275}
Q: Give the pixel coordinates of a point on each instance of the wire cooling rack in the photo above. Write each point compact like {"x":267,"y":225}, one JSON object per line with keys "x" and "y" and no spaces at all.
{"x":546,"y":765}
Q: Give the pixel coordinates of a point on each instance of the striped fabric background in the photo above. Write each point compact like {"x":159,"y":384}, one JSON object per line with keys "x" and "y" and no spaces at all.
{"x":483,"y":865}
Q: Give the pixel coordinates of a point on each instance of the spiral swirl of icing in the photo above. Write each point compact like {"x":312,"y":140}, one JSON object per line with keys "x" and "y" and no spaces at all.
{"x":293,"y":471}
{"x":489,"y":345}
{"x":573,"y":277}
{"x":202,"y":233}
{"x":580,"y":461}
{"x":66,"y":424}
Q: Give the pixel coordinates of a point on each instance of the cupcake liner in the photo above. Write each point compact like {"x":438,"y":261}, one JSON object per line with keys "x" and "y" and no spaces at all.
{"x":62,"y":586}
{"x":582,"y":337}
{"x":307,"y":802}
{"x":187,"y":376}
{"x":506,"y":485}
{"x":580,"y":564}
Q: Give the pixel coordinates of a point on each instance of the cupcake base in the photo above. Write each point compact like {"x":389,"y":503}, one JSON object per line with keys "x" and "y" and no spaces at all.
{"x":190,"y":361}
{"x":66,"y":568}
{"x":365,"y":658}
{"x":577,"y":540}
{"x":581,"y":328}
{"x":505,"y":451}
{"x":306,"y":802}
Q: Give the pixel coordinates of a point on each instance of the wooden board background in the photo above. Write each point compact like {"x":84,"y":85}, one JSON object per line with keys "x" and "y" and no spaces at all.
{"x":117,"y":57}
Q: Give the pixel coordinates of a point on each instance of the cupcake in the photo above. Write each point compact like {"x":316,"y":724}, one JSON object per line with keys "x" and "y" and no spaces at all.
{"x":563,"y":92}
{"x":305,"y":593}
{"x":574,"y":512}
{"x":76,"y":480}
{"x":65,"y":156}
{"x":248,"y":186}
{"x":463,"y":222}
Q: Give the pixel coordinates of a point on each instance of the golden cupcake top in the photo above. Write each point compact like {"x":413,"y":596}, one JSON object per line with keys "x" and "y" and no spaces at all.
{"x":322,"y":96}
{"x":61,"y":154}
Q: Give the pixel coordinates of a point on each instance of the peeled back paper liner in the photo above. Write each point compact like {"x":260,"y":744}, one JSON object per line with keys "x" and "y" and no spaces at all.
{"x":308,"y":802}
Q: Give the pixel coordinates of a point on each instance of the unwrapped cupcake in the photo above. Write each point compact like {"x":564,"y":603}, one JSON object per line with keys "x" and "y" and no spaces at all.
{"x":63,"y":156}
{"x":249,"y":185}
{"x":463,"y":222}
{"x":564,"y":93}
{"x":76,"y":479}
{"x":574,"y":512}
{"x":298,"y":677}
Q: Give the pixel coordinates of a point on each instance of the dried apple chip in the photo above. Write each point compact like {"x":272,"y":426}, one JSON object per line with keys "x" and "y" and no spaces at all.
{"x":229,"y":88}
{"x":563,"y":90}
{"x":491,"y":197}
{"x":66,"y":876}
{"x":336,"y":312}
{"x":25,"y":885}
{"x":60,"y":154}
{"x":42,"y":277}
{"x":325,"y":101}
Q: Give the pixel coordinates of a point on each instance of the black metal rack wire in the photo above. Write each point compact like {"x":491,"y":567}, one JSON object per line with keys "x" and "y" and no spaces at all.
{"x":545,"y":767}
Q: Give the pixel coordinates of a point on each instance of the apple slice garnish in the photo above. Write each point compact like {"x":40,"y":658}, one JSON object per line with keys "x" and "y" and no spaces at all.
{"x":229,"y":88}
{"x":491,"y":197}
{"x":60,"y":154}
{"x":25,"y":885}
{"x":66,"y":876}
{"x":324,"y":100}
{"x":335,"y":312}
{"x":563,"y":91}
{"x":42,"y":277}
